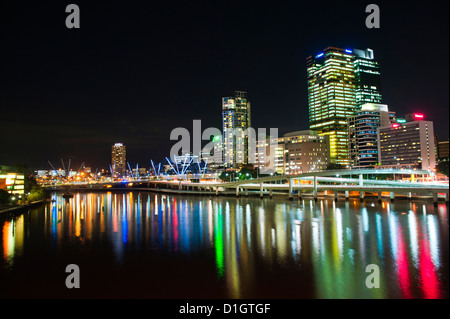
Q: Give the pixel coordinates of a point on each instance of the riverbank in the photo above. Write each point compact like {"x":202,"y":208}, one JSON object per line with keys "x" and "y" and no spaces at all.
{"x":13,"y":209}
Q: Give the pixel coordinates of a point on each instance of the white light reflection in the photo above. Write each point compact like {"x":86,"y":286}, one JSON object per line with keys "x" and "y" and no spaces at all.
{"x":365,"y":219}
{"x":261,"y":218}
{"x":393,"y":234}
{"x":339,"y":230}
{"x":413,"y":237}
{"x":248,"y":223}
{"x":432,"y":236}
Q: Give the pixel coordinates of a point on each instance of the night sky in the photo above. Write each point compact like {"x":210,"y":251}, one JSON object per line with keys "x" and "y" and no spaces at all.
{"x":136,"y":70}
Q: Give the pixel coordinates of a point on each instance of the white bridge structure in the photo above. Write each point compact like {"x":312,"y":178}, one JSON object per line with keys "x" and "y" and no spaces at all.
{"x":329,"y":182}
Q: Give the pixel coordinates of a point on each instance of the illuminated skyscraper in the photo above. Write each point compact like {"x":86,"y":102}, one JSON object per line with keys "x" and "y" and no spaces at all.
{"x":362,"y":133}
{"x":235,"y":118}
{"x":118,"y":159}
{"x":332,"y":98}
{"x":367,"y":77}
{"x":340,"y":81}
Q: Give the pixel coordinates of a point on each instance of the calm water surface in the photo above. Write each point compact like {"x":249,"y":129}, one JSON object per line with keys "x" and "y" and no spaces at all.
{"x":146,"y":245}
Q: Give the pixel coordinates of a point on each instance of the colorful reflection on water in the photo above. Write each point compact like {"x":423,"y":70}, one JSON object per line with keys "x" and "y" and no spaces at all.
{"x":258,"y":248}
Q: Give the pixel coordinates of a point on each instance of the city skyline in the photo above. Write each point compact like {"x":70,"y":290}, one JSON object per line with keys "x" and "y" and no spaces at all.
{"x":199,"y":155}
{"x":74,"y":107}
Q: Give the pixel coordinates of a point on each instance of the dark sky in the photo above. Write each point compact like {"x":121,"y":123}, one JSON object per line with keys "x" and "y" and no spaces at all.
{"x":136,"y":70}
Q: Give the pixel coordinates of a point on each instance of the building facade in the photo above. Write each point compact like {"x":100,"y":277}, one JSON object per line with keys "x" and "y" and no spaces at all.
{"x":367,"y":77}
{"x":118,"y":159}
{"x":13,"y":183}
{"x":442,"y":149}
{"x":236,"y":120}
{"x":332,"y":98}
{"x":409,"y":145}
{"x":340,"y":81}
{"x":298,"y":152}
{"x":362,"y":133}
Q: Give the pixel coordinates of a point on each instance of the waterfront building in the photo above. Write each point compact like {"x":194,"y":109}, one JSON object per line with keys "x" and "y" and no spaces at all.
{"x":332,"y":98}
{"x":235,"y":118}
{"x":362,"y":133}
{"x":409,"y":145}
{"x":367,"y":77}
{"x":306,"y":151}
{"x":340,"y":81}
{"x":262,"y":156}
{"x":118,"y":159}
{"x":298,"y":152}
{"x":12,"y":182}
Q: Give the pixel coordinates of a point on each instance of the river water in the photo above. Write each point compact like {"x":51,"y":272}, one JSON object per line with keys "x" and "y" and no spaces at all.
{"x":147,"y":245}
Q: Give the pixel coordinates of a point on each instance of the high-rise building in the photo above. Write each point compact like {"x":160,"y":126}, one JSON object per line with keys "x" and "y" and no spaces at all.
{"x":118,"y":159}
{"x":236,"y":120}
{"x":409,"y":144}
{"x":340,"y":81}
{"x":332,"y":98}
{"x":298,"y":152}
{"x":362,"y":133}
{"x":367,"y":77}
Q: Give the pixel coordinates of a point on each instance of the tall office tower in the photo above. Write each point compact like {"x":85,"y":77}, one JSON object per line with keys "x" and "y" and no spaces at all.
{"x":235,"y":119}
{"x":362,"y":133}
{"x":118,"y":159}
{"x":367,"y":77}
{"x":409,"y":145}
{"x":332,"y":98}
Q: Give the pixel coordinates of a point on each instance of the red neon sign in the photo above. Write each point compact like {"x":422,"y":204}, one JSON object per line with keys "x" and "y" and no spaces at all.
{"x":418,"y":116}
